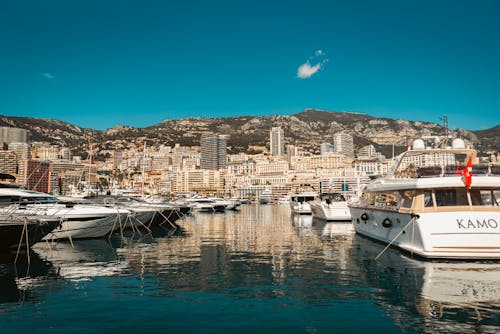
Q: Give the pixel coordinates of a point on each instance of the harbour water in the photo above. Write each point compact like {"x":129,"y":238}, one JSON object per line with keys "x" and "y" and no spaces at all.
{"x":254,"y":270}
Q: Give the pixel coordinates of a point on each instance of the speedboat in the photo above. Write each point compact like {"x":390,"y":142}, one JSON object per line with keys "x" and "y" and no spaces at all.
{"x":77,"y":220}
{"x":266,"y":196}
{"x":435,"y":203}
{"x":300,"y":202}
{"x":205,"y":204}
{"x":144,"y":213}
{"x":18,"y":231}
{"x":331,"y":208}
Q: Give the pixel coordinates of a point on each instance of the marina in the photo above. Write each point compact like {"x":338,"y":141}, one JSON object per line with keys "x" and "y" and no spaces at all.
{"x":259,"y":268}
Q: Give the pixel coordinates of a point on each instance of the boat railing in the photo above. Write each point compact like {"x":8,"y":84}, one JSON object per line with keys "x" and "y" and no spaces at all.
{"x":453,"y":170}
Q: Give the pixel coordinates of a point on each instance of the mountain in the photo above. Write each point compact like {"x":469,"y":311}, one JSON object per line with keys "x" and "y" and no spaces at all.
{"x":307,"y":129}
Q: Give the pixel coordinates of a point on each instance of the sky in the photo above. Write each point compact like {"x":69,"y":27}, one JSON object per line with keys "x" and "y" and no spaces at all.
{"x":102,"y":63}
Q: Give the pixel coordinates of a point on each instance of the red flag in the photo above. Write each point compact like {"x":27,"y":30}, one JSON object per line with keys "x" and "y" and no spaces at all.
{"x":467,"y":174}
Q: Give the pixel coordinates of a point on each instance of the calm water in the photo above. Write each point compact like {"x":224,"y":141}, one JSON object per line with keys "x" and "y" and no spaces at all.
{"x":254,"y":270}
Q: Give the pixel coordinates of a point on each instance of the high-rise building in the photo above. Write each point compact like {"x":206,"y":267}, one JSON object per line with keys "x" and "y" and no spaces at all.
{"x":344,"y":144}
{"x":291,"y":151}
{"x":20,"y":149}
{"x":213,"y":152}
{"x":277,"y":141}
{"x":11,"y":135}
{"x":117,"y":159}
{"x":8,"y":162}
{"x":326,"y":148}
{"x":40,"y":177}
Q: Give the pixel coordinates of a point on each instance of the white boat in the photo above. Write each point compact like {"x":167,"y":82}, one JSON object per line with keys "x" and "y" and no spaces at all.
{"x":300,"y":202}
{"x":428,"y":204}
{"x":18,"y":231}
{"x":77,"y":220}
{"x":204,"y":204}
{"x":331,"y":208}
{"x":229,"y":204}
{"x":266,"y":196}
{"x":284,"y":200}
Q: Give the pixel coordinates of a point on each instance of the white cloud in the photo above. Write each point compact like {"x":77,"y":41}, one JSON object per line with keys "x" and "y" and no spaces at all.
{"x":307,"y":70}
{"x":48,"y":75}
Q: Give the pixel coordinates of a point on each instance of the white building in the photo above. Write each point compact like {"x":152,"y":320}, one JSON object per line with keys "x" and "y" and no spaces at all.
{"x":344,"y":143}
{"x":277,"y":141}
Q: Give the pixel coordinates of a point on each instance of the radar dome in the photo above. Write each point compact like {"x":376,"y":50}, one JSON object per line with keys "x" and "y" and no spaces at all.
{"x":458,"y":143}
{"x":418,"y":144}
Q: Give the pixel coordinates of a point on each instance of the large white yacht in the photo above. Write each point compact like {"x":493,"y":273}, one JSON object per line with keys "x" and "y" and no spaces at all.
{"x":77,"y":220}
{"x":431,"y":206}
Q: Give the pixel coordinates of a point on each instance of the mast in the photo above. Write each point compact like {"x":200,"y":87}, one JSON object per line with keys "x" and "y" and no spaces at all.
{"x":142,"y":169}
{"x":90,"y":165}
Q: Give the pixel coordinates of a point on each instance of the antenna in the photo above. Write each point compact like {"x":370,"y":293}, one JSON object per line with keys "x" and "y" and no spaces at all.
{"x":445,"y":125}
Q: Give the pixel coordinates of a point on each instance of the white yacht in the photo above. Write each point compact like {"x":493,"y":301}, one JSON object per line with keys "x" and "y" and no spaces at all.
{"x":77,"y":220}
{"x":284,"y":200}
{"x":266,"y":196}
{"x":300,"y":202}
{"x":331,"y":208}
{"x":204,"y":204}
{"x":431,"y":206}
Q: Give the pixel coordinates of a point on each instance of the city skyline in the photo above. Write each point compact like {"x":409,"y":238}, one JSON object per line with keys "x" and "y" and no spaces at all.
{"x":98,"y":65}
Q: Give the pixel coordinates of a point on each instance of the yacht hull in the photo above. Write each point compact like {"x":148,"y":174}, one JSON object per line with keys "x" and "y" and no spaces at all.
{"x":80,"y":227}
{"x":454,"y":235}
{"x":15,"y":233}
{"x":330,"y":212}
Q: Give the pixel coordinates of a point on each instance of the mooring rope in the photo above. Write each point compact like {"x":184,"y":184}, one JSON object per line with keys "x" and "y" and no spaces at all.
{"x":412,"y":220}
{"x":24,"y":233}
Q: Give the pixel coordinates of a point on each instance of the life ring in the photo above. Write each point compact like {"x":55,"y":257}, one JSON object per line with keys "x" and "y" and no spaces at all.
{"x":364,"y":216}
{"x":387,"y":223}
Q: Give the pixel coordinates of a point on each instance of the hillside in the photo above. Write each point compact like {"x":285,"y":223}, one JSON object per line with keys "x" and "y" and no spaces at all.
{"x":307,"y":129}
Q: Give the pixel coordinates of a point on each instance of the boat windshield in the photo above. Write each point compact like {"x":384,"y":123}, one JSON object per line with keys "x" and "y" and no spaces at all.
{"x":7,"y":200}
{"x":435,"y":163}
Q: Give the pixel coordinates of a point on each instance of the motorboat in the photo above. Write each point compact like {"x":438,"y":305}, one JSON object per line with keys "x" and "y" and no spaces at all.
{"x":144,"y":213}
{"x":300,"y":202}
{"x":77,"y":220}
{"x":19,"y":231}
{"x":266,"y":196}
{"x":204,"y":204}
{"x":284,"y":200}
{"x":435,"y":203}
{"x":331,"y":207}
{"x":229,"y":203}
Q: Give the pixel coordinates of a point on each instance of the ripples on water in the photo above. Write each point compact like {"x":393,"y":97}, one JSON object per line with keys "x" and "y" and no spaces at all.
{"x":258,"y":269}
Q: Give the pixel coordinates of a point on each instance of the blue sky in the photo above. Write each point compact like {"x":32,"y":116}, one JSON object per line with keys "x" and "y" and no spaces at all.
{"x":98,"y":63}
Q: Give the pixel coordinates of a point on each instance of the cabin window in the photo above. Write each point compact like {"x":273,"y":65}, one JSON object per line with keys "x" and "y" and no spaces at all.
{"x":446,"y":198}
{"x":7,"y":200}
{"x":388,"y":200}
{"x":451,"y":197}
{"x":407,"y":198}
{"x":428,"y":198}
{"x":484,"y":197}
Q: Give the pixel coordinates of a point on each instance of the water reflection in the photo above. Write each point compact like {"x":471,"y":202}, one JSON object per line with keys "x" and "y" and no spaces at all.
{"x":82,"y":259}
{"x":262,"y":258}
{"x":17,"y":279}
{"x":449,"y":296}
